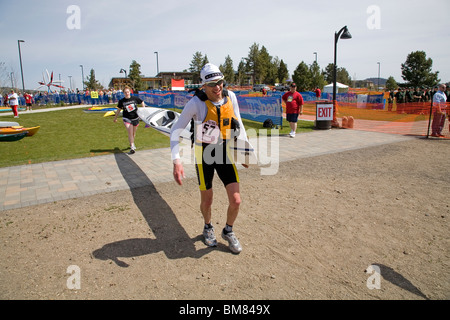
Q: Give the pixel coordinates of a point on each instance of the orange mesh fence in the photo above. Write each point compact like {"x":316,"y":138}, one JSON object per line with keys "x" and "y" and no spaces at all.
{"x":402,"y":118}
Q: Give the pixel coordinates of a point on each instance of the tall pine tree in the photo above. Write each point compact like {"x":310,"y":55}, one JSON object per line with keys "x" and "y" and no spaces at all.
{"x":91,"y":83}
{"x":136,"y":77}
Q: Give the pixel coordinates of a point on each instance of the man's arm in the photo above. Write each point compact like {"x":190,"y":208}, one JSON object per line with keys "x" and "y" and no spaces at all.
{"x":178,"y":171}
{"x":300,"y":104}
{"x":186,"y":115}
{"x":242,"y":133}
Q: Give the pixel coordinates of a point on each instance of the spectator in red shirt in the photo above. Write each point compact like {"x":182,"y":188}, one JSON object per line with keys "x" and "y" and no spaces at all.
{"x":28,"y":101}
{"x":294,"y":107}
{"x":318,"y":93}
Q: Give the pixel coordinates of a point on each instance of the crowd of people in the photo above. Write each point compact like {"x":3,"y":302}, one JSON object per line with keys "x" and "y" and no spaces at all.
{"x":418,"y":100}
{"x":98,"y":97}
{"x":411,"y":95}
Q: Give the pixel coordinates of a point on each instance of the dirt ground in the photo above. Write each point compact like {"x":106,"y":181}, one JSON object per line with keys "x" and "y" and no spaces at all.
{"x":309,"y":232}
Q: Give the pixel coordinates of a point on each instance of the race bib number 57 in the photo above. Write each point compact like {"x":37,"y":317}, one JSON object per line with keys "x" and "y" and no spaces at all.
{"x":208,"y":132}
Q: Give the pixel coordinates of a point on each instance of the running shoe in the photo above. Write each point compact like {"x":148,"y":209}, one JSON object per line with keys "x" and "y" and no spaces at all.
{"x":210,"y":237}
{"x":233,"y":242}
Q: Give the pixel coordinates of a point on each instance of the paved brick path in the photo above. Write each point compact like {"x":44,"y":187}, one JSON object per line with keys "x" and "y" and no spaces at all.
{"x":33,"y":184}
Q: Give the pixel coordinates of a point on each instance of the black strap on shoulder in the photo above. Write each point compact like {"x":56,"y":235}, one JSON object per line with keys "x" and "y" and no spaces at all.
{"x":191,"y":130}
{"x":200,"y":94}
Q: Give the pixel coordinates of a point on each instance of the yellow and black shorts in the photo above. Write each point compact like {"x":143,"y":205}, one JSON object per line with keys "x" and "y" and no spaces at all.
{"x":214,"y":157}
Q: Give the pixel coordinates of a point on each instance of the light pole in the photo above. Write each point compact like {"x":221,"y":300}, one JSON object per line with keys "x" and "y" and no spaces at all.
{"x":157,"y":63}
{"x":70,"y":81}
{"x":12,"y":81}
{"x":341,"y":34}
{"x":21,"y":70}
{"x":315,"y":53}
{"x":378,"y":84}
{"x":82,"y":76}
{"x":124,"y":71}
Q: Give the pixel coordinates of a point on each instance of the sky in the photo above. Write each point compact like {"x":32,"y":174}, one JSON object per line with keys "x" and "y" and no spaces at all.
{"x":107,"y":35}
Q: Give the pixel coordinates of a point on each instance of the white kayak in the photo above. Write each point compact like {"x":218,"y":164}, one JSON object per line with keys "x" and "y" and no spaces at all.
{"x":5,"y":124}
{"x":162,"y":120}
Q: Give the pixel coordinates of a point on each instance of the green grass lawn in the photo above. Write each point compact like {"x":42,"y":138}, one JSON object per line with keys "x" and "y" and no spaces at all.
{"x":72,"y":133}
{"x":69,"y":134}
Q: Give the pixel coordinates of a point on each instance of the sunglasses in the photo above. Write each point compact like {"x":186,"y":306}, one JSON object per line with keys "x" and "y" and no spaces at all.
{"x":213,"y":84}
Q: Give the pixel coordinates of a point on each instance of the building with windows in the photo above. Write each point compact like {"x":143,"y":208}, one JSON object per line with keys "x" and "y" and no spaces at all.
{"x":162,"y":81}
{"x":119,"y":83}
{"x":166,"y":78}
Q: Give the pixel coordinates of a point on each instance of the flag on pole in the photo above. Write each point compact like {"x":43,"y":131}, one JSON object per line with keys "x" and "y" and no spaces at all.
{"x":178,"y":85}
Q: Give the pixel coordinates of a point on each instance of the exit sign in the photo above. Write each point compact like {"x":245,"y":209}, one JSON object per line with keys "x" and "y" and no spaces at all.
{"x":324,"y":111}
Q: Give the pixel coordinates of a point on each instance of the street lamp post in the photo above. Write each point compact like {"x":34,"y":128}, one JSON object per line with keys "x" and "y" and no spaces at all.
{"x":378,"y":84}
{"x":12,"y":81}
{"x":157,"y":63}
{"x":124,"y":71}
{"x":82,"y":76}
{"x":315,"y":53}
{"x":70,"y":82}
{"x":21,"y":69}
{"x":341,"y":34}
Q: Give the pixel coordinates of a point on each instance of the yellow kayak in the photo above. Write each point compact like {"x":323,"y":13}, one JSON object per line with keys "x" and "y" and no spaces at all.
{"x":18,"y":129}
{"x":111,"y":113}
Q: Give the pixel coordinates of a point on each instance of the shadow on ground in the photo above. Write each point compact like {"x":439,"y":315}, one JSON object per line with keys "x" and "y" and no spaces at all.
{"x":399,"y":280}
{"x":171,"y":238}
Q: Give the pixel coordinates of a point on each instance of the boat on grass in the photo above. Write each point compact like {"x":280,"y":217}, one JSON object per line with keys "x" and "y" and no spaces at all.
{"x":13,"y":136}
